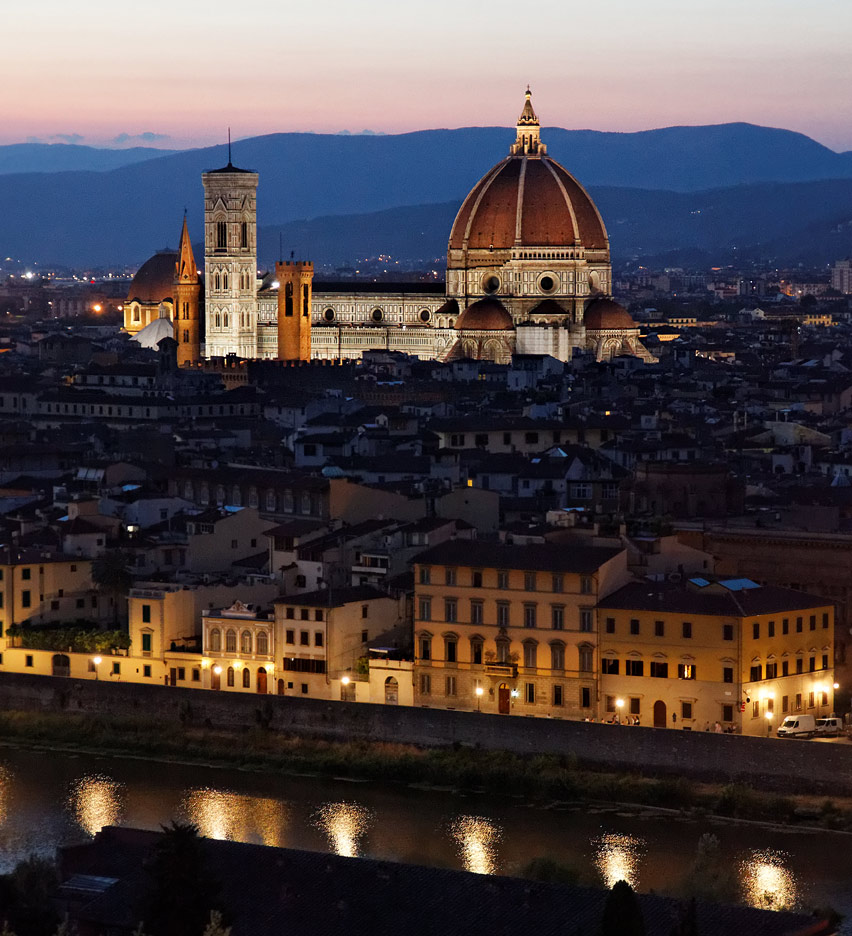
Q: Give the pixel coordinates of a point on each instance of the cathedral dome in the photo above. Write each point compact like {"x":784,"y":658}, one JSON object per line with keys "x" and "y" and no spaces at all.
{"x":603,"y":313}
{"x":487,"y":314}
{"x":151,"y":335}
{"x":154,"y":281}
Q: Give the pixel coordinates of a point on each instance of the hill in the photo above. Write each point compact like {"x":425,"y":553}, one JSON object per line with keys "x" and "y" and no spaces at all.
{"x":69,"y":157}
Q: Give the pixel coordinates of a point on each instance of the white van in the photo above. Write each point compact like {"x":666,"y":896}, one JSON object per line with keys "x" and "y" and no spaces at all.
{"x":797,"y":726}
{"x":829,"y":726}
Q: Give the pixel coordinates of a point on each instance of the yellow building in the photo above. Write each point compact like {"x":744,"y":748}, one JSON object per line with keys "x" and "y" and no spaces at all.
{"x":511,"y":629}
{"x":690,"y":655}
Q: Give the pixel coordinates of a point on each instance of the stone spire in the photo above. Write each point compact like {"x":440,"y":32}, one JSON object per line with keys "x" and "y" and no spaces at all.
{"x":185,"y":269}
{"x":528,"y":139}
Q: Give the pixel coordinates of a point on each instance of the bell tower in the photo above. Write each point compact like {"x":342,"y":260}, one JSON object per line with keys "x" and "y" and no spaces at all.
{"x":230,"y":261}
{"x":295,"y":285}
{"x":187,"y":324}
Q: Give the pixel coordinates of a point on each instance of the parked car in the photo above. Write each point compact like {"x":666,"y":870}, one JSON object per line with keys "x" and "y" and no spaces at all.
{"x":797,"y":726}
{"x":829,"y":726}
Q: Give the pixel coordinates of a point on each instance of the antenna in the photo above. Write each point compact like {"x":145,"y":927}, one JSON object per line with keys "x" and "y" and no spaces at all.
{"x":280,"y":246}
{"x":229,"y":146}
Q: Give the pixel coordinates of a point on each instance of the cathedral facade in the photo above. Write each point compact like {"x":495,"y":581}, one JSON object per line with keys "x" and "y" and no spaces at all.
{"x":528,"y":271}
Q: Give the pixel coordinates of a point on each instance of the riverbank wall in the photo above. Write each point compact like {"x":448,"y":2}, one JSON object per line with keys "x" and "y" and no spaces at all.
{"x":788,"y":766}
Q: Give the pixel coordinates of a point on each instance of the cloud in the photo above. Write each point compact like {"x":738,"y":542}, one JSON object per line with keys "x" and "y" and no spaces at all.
{"x":147,"y":137}
{"x":68,"y":137}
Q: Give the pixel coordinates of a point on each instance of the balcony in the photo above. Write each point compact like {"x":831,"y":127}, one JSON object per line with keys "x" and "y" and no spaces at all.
{"x":509,"y":670}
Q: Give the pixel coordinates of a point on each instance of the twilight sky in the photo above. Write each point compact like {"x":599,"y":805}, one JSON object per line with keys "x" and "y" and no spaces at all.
{"x":185,"y":69}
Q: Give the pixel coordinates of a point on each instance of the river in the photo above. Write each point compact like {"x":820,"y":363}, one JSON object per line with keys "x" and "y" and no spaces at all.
{"x":48,"y":800}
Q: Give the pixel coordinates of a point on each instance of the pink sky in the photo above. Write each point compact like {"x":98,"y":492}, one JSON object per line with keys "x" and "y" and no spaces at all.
{"x":187,"y":70}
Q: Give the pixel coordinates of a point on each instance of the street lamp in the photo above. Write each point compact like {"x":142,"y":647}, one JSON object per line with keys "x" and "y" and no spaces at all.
{"x":619,"y":704}
{"x":479,"y":693}
{"x":345,"y":680}
{"x":97,"y":662}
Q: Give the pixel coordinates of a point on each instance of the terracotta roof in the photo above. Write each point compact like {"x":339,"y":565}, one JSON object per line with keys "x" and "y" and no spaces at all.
{"x":603,"y":313}
{"x":154,"y":281}
{"x":536,"y":557}
{"x":486,"y":314}
{"x":549,"y":208}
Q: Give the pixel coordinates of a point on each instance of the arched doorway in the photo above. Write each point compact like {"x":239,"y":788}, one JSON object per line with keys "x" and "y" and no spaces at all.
{"x":61,"y":665}
{"x":280,"y":687}
{"x":659,"y":714}
{"x":261,"y":681}
{"x":503,"y":697}
{"x":391,"y":691}
{"x":216,"y":679}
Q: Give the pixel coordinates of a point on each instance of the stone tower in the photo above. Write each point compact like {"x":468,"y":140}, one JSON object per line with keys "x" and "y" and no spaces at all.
{"x":230,"y":261}
{"x":187,"y":324}
{"x":295,"y":284}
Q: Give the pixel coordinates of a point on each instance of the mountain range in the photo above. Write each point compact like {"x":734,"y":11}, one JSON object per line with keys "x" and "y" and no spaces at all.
{"x":731,"y":187}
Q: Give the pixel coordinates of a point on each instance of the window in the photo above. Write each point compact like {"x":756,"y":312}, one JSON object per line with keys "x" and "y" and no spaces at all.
{"x":530,"y":654}
{"x":785,"y":667}
{"x":529,"y":693}
{"x":529,"y":581}
{"x":146,"y":670}
{"x":727,"y":632}
{"x":450,"y":610}
{"x":319,"y":638}
{"x":755,"y":709}
{"x":727,"y":674}
{"x":502,"y":579}
{"x":476,"y":612}
{"x":304,"y":639}
{"x":585,"y":585}
{"x":244,"y":234}
{"x":196,"y":674}
{"x":230,"y":676}
{"x":365,"y":636}
{"x":785,"y":626}
{"x":425,"y":648}
{"x":659,"y":628}
{"x":425,"y":684}
{"x":221,"y":235}
{"x":476,"y":652}
{"x":771,"y":670}
{"x":825,"y":661}
{"x":812,"y":622}
{"x":557,"y":617}
{"x":585,"y":697}
{"x":558,"y":695}
{"x":756,"y":673}
{"x":800,"y":665}
{"x":246,"y":642}
{"x":687,"y":630}
{"x":659,"y":670}
{"x":449,"y":576}
{"x":529,"y":615}
{"x":770,"y":629}
{"x":587,"y":663}
{"x":586,"y":620}
{"x":811,"y":664}
{"x":450,"y":686}
{"x":770,"y":705}
{"x":825,"y":619}
{"x":502,"y":650}
{"x":557,"y":657}
{"x":610,"y":625}
{"x":146,"y":643}
{"x":558,"y":584}
{"x":635,"y":704}
{"x":230,"y":641}
{"x":246,"y":678}
{"x":425,"y":575}
{"x":290,"y":636}
{"x":290,"y":614}
{"x":502,"y":613}
{"x":686,"y":710}
{"x":634,"y":626}
{"x":810,"y":700}
{"x":28,"y":661}
{"x":365,"y":611}
{"x":609,"y":704}
{"x":755,"y":630}
{"x":305,"y":614}
{"x":476,"y":578}
{"x":304,"y":688}
{"x":215,"y":639}
{"x":798,"y":702}
{"x":799,"y":625}
{"x":263,"y":643}
{"x":425,"y":609}
{"x":26,"y":574}
{"x":785,"y":704}
{"x":634,"y":668}
{"x":609,"y":666}
{"x":450,"y":649}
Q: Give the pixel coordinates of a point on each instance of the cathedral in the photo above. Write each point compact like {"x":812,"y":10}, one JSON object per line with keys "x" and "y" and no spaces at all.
{"x":528,"y":272}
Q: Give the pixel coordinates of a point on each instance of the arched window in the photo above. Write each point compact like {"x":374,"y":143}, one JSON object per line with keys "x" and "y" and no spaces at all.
{"x":246,"y":678}
{"x":221,"y":235}
{"x":220,"y":493}
{"x":217,"y":318}
{"x":289,"y":505}
{"x":226,"y":320}
{"x":230,"y":641}
{"x":215,"y":640}
{"x":263,"y":643}
{"x":253,"y":497}
{"x":270,"y":500}
{"x":306,"y":503}
{"x":236,"y":496}
{"x":245,"y":642}
{"x":224,"y":281}
{"x":217,"y":281}
{"x":230,"y":675}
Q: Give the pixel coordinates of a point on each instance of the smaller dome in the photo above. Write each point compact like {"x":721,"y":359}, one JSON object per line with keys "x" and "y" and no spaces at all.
{"x":487,"y":314}
{"x":154,"y":280}
{"x":151,"y":335}
{"x":603,"y":313}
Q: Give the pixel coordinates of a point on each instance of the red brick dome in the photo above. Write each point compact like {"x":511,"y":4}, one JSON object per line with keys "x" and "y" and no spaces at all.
{"x":487,"y":314}
{"x":603,"y":313}
{"x":528,"y":201}
{"x":154,"y":281}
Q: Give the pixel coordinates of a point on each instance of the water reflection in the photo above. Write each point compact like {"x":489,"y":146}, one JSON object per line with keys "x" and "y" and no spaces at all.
{"x":95,"y":801}
{"x":617,"y":858}
{"x":5,"y":792}
{"x":221,"y":814}
{"x":477,"y":839}
{"x":344,"y":824}
{"x":767,"y":882}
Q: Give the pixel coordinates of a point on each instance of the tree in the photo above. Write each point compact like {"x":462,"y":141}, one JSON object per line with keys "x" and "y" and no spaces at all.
{"x":622,"y":915}
{"x":111,"y":575}
{"x":180,"y":893}
{"x":26,"y":898}
{"x":711,"y":878}
{"x":216,"y":927}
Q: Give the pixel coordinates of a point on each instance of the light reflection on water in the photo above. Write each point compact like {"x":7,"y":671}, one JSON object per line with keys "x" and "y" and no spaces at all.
{"x":344,"y":824}
{"x":96,"y":801}
{"x":5,"y":792}
{"x":767,"y":881}
{"x":617,"y":857}
{"x":477,"y":840}
{"x":234,"y":817}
